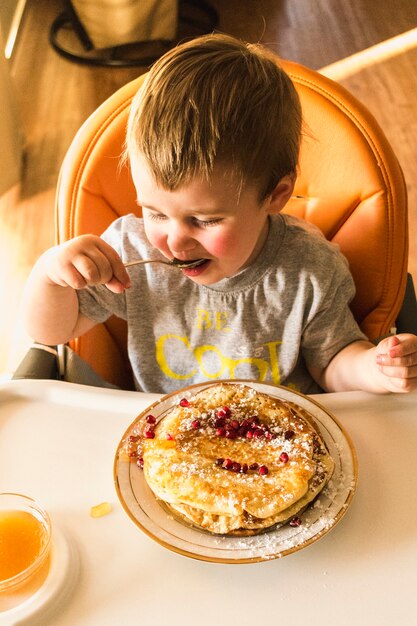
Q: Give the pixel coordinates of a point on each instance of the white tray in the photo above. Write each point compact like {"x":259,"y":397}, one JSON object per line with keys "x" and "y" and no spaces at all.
{"x":57,"y":445}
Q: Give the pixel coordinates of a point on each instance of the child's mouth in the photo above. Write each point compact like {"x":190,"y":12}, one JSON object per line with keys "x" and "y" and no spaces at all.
{"x":196,"y":270}
{"x":187,"y":264}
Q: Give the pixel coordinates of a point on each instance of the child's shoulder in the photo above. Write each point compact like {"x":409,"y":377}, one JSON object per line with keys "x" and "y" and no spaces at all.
{"x":125,"y":222}
{"x":301,"y":227}
{"x":126,"y":232}
{"x":306,"y":246}
{"x":305,"y":233}
{"x":125,"y":226}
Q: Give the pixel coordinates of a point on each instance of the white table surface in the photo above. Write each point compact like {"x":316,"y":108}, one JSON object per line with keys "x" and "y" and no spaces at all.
{"x":57,"y":445}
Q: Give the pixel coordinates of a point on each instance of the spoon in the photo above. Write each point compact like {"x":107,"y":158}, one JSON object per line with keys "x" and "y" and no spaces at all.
{"x":173,"y":263}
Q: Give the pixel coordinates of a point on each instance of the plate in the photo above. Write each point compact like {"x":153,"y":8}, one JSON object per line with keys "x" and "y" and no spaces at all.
{"x":318,"y":519}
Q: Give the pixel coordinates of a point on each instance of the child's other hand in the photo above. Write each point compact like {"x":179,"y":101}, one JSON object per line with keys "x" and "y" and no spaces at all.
{"x":396,"y":358}
{"x":86,"y":260}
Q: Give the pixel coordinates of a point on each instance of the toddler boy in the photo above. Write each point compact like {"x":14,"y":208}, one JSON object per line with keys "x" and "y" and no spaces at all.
{"x":212,"y":142}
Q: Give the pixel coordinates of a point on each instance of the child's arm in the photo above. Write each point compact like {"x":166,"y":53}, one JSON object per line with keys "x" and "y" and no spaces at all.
{"x":50,"y":300}
{"x":389,"y":366}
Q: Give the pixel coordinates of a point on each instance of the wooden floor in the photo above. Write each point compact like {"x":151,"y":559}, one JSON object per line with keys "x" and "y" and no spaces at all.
{"x":54,"y":96}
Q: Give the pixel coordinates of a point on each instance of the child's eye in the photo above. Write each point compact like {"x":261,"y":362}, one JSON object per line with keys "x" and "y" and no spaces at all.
{"x":156,"y":217}
{"x":159,"y":217}
{"x":207,"y":223}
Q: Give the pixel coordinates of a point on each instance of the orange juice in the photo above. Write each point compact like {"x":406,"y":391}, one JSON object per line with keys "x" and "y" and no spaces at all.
{"x":22,"y":537}
{"x":25,"y":533}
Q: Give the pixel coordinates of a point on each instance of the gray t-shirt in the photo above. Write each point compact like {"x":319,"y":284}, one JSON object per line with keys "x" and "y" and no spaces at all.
{"x":288,"y":309}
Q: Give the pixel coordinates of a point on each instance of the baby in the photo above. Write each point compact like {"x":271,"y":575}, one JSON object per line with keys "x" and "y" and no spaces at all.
{"x":212,"y":142}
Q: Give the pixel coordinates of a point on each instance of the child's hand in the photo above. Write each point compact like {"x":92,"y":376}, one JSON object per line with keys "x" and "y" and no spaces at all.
{"x":86,"y":260}
{"x":396,"y":358}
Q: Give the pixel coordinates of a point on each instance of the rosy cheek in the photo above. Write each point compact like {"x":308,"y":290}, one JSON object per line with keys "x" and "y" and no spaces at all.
{"x":221,"y":245}
{"x":155,"y":237}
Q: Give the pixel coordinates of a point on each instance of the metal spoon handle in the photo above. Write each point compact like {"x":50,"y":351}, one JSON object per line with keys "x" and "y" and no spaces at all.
{"x":142,"y":261}
{"x":175,"y":263}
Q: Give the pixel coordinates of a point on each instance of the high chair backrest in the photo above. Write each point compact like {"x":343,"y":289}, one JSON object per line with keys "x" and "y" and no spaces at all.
{"x":350,"y":185}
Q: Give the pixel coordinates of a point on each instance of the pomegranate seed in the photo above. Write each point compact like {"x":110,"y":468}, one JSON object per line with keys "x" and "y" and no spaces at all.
{"x":219,"y":461}
{"x":263,"y":470}
{"x":236,"y":467}
{"x":220,"y":432}
{"x":268,"y":434}
{"x":134,"y":438}
{"x":149,"y":434}
{"x":249,"y":434}
{"x":258,"y":433}
{"x":139,"y":462}
{"x":289,"y":434}
{"x":244,"y":468}
{"x":151,"y":419}
{"x":296,"y":521}
{"x":220,"y":421}
{"x":224,"y":412}
{"x":184,"y":402}
{"x":283,"y":457}
{"x":231,"y":434}
{"x":254,"y":466}
{"x":227,"y":464}
{"x":242,"y":431}
{"x":234,"y":424}
{"x":170,"y":437}
{"x":196,"y":424}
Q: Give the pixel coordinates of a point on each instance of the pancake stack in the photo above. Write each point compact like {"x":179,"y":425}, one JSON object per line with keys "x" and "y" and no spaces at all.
{"x":231,"y":460}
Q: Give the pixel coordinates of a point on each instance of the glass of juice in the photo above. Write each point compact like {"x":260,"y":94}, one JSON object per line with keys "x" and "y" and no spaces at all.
{"x":25,"y":543}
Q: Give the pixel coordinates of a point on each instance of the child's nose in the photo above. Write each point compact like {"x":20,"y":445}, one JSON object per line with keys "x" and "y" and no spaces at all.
{"x":180,"y":239}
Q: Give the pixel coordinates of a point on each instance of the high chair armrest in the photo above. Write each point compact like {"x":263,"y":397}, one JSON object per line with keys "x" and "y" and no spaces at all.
{"x":40,"y":362}
{"x":407,"y":318}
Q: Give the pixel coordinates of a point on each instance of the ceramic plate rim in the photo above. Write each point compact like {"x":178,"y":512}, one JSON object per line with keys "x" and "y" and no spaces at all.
{"x":215,"y":553}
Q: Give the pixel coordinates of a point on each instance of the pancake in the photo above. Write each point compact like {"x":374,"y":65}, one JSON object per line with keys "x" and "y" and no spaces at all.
{"x":232,"y":460}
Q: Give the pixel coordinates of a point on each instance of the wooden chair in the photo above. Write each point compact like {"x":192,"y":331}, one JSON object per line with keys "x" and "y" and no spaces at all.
{"x":350,"y":185}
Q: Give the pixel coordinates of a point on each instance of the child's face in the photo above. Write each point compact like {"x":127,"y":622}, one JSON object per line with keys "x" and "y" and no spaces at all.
{"x":203,"y":220}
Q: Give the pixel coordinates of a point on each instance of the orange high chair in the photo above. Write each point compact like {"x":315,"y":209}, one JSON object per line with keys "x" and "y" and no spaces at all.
{"x":350,"y":185}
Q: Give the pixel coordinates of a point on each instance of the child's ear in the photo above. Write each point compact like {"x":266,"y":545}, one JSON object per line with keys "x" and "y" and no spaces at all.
{"x":277,"y":200}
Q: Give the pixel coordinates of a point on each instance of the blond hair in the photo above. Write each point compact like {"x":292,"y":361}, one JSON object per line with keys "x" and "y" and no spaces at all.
{"x":215,"y":100}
